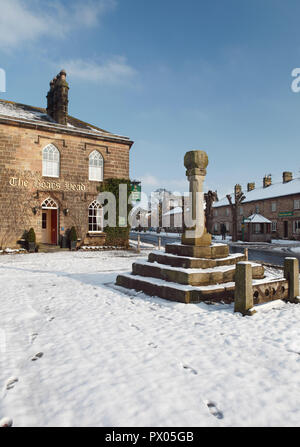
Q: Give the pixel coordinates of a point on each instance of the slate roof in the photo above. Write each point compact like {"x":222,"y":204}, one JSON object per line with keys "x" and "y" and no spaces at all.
{"x":257,"y":218}
{"x":23,"y":112}
{"x":275,"y":190}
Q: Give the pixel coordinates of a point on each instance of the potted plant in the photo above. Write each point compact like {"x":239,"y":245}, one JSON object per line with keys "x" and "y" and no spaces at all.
{"x":73,"y":238}
{"x":31,"y":240}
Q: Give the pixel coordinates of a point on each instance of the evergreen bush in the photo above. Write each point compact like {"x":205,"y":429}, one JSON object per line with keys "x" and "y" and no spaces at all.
{"x":73,"y":234}
{"x":30,"y":236}
{"x":119,"y":235}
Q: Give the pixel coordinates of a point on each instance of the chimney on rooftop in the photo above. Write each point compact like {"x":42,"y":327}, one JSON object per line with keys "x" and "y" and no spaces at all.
{"x":267,"y":180}
{"x":250,"y":186}
{"x":287,"y":176}
{"x":237,"y":189}
{"x":57,"y":98}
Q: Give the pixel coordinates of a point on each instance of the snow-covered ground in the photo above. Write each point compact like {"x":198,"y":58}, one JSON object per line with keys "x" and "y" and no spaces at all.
{"x":75,"y":351}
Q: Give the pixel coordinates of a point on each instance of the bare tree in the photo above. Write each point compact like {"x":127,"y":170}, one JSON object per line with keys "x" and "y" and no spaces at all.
{"x":210,"y":197}
{"x":238,"y":199}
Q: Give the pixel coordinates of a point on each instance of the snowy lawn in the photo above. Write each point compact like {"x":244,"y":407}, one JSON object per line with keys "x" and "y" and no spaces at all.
{"x":81,"y":353}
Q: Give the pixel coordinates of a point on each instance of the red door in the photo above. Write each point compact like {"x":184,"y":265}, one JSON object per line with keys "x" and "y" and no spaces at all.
{"x":54,"y":227}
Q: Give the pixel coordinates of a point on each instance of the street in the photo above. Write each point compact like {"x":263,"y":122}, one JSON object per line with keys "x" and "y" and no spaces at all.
{"x":268,"y":253}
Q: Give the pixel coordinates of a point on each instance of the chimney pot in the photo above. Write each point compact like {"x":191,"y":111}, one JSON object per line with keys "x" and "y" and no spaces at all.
{"x":250,"y":186}
{"x":57,"y":98}
{"x":267,"y":181}
{"x":287,"y":176}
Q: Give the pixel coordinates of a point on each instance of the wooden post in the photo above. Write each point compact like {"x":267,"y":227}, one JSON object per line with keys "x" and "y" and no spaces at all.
{"x":159,"y":242}
{"x":243,"y":294}
{"x":291,"y":273}
{"x":246,"y":254}
{"x":138,"y":250}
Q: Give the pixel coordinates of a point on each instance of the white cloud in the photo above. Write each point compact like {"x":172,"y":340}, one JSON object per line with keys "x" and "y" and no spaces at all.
{"x":115,"y":70}
{"x":28,"y":21}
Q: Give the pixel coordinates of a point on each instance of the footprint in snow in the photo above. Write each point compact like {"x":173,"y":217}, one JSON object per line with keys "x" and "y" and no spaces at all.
{"x":50,"y":318}
{"x":6,"y":422}
{"x":214,"y":410}
{"x":11,"y":382}
{"x":33,"y":336}
{"x":190,"y":369}
{"x":135,"y":327}
{"x":153,"y":345}
{"x":37,"y":356}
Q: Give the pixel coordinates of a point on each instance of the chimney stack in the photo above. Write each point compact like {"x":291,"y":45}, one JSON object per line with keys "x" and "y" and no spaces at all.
{"x":267,"y":180}
{"x":250,"y":187}
{"x":237,"y":189}
{"x":287,"y":176}
{"x":57,"y":98}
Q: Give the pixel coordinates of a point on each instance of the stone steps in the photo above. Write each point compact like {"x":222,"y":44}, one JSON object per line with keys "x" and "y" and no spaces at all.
{"x":194,"y":263}
{"x":213,"y":251}
{"x":193,"y":277}
{"x":45,"y":248}
{"x":176,"y":292}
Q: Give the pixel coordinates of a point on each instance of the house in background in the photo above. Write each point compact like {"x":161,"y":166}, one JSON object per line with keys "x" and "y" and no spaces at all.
{"x":278,"y":203}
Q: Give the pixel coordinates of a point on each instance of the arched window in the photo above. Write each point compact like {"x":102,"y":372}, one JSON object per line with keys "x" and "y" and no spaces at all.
{"x":95,"y":217}
{"x":96,"y":166}
{"x":51,"y":159}
{"x":49,"y":204}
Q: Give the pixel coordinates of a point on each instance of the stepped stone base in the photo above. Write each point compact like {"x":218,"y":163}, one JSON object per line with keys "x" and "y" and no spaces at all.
{"x":213,"y":251}
{"x":173,"y":292}
{"x":191,"y":274}
{"x":192,"y":277}
{"x":193,"y":263}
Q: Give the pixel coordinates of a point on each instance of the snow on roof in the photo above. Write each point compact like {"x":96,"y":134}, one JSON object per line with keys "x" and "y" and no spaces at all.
{"x":257,"y":218}
{"x":177,"y":210}
{"x":10,"y":109}
{"x":274,"y":190}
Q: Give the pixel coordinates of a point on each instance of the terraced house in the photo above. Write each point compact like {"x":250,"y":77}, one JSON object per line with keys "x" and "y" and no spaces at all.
{"x":51,"y":166}
{"x":274,"y":209}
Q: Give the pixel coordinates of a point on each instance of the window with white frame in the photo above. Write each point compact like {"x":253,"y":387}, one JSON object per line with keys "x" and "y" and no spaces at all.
{"x":95,"y":217}
{"x":297,"y":204}
{"x":258,"y":228}
{"x":51,"y":159}
{"x":274,"y":206}
{"x":274,"y":225}
{"x":296,"y":226}
{"x":95,"y":166}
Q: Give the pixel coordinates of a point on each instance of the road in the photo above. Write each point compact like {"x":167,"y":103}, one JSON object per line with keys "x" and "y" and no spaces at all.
{"x":264,"y":254}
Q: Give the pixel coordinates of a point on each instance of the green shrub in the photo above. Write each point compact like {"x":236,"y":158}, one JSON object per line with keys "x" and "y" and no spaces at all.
{"x":73,"y":234}
{"x":119,"y":235}
{"x":30,"y":236}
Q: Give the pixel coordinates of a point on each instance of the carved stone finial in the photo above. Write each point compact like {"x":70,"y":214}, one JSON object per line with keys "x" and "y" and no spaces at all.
{"x":196,"y":162}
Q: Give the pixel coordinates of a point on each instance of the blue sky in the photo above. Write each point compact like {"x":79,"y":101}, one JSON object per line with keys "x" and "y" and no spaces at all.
{"x":213,"y":75}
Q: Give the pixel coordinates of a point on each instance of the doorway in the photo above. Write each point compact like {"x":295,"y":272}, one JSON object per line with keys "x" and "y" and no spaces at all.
{"x":286,"y":229}
{"x":49,"y":222}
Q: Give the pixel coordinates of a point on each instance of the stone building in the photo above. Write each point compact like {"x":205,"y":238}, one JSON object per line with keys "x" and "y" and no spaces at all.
{"x":277,"y":202}
{"x":51,"y":167}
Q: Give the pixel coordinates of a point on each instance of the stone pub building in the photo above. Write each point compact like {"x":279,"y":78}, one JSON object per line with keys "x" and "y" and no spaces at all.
{"x":51,"y":167}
